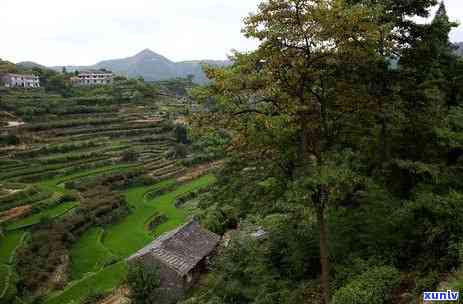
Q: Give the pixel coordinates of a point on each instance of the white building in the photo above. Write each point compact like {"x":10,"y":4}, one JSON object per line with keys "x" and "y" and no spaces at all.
{"x":22,"y":81}
{"x":93,"y":77}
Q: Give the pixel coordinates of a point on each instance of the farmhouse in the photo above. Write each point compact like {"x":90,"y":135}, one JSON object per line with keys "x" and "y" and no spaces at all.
{"x":93,"y":77}
{"x":21,"y":81}
{"x":181,"y":255}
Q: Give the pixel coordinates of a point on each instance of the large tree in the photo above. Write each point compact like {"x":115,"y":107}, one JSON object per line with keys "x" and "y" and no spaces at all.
{"x":318,"y":92}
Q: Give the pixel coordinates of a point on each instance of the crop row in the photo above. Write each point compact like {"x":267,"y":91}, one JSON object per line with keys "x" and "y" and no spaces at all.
{"x":25,"y":200}
{"x":53,"y":212}
{"x":71,"y":123}
{"x":70,"y":157}
{"x":18,"y":195}
{"x":86,"y":130}
{"x":116,"y":134}
{"x":49,"y":168}
{"x":87,"y":165}
{"x":58,"y":148}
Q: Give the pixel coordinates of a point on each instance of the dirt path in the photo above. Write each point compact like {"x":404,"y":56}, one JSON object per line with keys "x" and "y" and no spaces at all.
{"x":15,"y":213}
{"x":197,"y":171}
{"x":120,"y":296}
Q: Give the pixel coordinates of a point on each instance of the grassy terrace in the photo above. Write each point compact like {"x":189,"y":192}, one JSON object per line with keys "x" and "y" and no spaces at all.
{"x":56,"y":184}
{"x":34,"y":219}
{"x":89,"y":254}
{"x":122,"y":239}
{"x":8,"y":245}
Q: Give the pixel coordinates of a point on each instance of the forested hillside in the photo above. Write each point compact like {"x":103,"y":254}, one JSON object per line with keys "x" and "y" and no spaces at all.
{"x":347,"y":150}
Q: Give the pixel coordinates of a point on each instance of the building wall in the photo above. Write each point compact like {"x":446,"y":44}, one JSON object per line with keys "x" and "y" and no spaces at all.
{"x":23,"y":81}
{"x":94,"y":79}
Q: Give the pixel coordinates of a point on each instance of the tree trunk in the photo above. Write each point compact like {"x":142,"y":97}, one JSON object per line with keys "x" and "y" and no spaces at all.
{"x":324,"y":256}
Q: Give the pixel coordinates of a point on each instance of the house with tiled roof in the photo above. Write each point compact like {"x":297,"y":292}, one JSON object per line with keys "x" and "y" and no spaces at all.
{"x":181,"y":255}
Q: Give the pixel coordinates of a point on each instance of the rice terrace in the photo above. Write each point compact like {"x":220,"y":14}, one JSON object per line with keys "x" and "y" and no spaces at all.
{"x":88,"y":180}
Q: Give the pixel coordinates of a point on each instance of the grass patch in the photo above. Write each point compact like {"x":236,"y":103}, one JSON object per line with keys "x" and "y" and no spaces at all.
{"x":89,"y":254}
{"x":4,"y":278}
{"x":102,"y":281}
{"x":130,"y":234}
{"x":8,"y":245}
{"x":34,"y":219}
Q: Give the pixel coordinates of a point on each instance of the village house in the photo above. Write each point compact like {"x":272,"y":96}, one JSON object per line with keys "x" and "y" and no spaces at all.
{"x":93,"y":77}
{"x":181,"y":255}
{"x":21,"y":81}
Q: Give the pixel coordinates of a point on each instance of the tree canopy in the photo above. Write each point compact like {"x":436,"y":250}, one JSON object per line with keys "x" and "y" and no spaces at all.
{"x":344,"y":113}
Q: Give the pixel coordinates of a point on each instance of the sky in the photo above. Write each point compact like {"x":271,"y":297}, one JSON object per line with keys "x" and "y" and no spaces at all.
{"x":83,"y":32}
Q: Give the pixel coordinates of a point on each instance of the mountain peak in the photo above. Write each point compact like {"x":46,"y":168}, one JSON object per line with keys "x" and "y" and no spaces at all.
{"x":147,"y":53}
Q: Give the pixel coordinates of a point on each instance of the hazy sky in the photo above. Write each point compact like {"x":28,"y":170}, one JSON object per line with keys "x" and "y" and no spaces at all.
{"x":82,"y":32}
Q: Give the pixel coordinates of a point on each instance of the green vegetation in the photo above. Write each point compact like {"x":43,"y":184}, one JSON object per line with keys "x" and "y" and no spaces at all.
{"x":9,"y":243}
{"x":89,"y":254}
{"x":99,"y":247}
{"x":373,"y":286}
{"x":69,"y":164}
{"x":144,"y":283}
{"x":101,"y":281}
{"x":50,"y":213}
{"x":346,"y":127}
{"x":130,"y":234}
{"x":339,"y":181}
{"x":5,"y":272}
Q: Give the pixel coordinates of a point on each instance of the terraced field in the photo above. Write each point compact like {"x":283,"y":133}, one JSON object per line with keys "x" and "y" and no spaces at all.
{"x":8,"y":245}
{"x":64,"y":151}
{"x":116,"y":242}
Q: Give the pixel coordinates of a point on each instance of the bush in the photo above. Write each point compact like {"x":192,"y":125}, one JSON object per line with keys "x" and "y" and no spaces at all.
{"x":181,"y":134}
{"x":144,"y":282}
{"x":9,"y":139}
{"x":129,"y":156}
{"x":94,"y":297}
{"x":371,"y":287}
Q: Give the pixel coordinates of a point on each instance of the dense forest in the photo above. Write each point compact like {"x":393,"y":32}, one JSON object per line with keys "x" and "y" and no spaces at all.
{"x":347,"y":149}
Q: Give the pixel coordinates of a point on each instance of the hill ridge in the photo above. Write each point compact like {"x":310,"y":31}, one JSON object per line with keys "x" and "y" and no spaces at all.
{"x":152,"y":66}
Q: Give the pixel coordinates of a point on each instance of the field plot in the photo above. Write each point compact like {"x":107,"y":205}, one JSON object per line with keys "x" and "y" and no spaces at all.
{"x":89,"y":254}
{"x":8,"y":245}
{"x":37,"y":217}
{"x":123,"y":239}
{"x":101,"y":281}
{"x":131,"y":233}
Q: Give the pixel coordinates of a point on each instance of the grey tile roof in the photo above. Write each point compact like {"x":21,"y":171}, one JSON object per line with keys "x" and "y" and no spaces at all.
{"x":181,"y":249}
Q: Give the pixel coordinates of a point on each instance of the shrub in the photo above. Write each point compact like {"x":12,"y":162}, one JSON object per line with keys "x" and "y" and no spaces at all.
{"x":94,"y":297}
{"x":181,"y":134}
{"x":144,"y":282}
{"x":9,"y":139}
{"x":426,"y":282}
{"x":129,"y":156}
{"x":371,"y":287}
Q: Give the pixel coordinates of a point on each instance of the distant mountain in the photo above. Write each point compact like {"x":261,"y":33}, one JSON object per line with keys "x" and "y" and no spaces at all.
{"x":152,"y":67}
{"x":460,"y":48}
{"x":30,"y":65}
